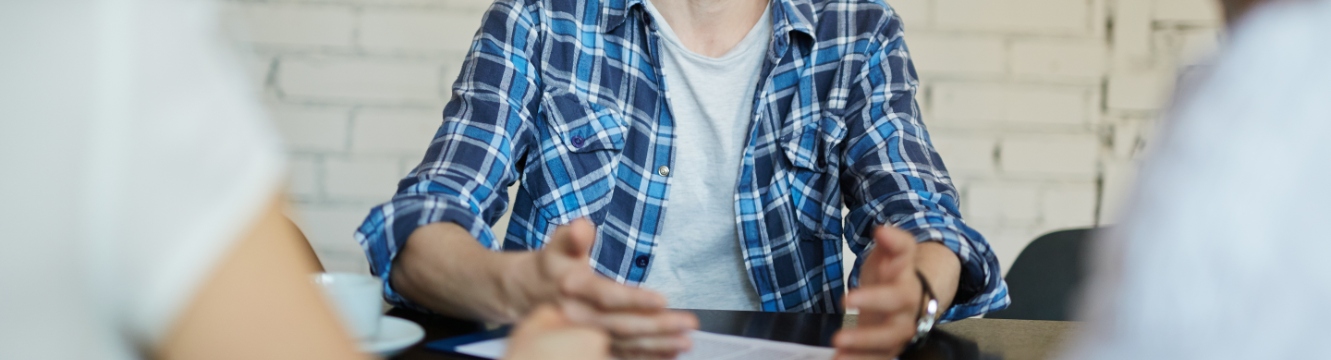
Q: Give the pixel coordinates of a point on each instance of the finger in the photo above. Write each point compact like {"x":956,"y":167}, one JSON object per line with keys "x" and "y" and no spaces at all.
{"x":890,"y":338}
{"x":895,"y":242}
{"x":622,"y":355}
{"x":608,"y":295}
{"x":893,"y":254}
{"x":542,"y":319}
{"x":651,"y":346}
{"x":660,"y":324}
{"x":574,"y":240}
{"x":887,"y":299}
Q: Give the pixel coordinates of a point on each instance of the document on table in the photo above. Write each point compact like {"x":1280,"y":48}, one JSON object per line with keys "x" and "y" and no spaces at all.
{"x":706,"y":346}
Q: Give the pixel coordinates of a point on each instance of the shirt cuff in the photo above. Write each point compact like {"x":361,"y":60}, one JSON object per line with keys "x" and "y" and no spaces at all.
{"x":387,"y":228}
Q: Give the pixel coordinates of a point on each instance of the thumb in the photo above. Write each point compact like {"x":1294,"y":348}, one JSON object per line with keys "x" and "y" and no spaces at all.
{"x":575,"y":239}
{"x":542,"y":319}
{"x":894,"y":250}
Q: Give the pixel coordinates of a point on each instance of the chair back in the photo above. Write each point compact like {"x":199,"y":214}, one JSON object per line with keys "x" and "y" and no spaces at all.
{"x":1046,"y":276}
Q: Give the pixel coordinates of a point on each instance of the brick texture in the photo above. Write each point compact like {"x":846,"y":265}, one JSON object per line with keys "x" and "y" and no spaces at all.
{"x":1041,"y":108}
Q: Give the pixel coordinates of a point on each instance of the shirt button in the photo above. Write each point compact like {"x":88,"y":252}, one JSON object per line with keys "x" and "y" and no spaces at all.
{"x":641,"y":261}
{"x":663,"y":170}
{"x":577,"y":141}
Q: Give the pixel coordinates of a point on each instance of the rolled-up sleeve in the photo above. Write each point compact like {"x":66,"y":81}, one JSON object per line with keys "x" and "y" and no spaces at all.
{"x":471,"y":160}
{"x":893,"y":175}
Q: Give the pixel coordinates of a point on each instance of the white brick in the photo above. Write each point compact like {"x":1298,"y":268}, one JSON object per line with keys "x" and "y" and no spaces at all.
{"x":366,"y":178}
{"x":966,"y":154}
{"x":304,"y":174}
{"x":1015,"y":16}
{"x":1007,"y":241}
{"x":1010,"y":103}
{"x":342,"y":261}
{"x":954,"y":56}
{"x":330,"y":232}
{"x":1188,"y":46}
{"x":1046,"y":154}
{"x":1059,"y":58}
{"x":394,"y":131}
{"x":1068,"y":206}
{"x":1002,"y":201}
{"x":352,"y":79}
{"x":1193,"y":11}
{"x":293,"y":24}
{"x":308,"y":128}
{"x":331,"y":229}
{"x":1144,"y":91}
{"x":914,"y":13}
{"x":409,"y":29}
{"x":1132,"y":34}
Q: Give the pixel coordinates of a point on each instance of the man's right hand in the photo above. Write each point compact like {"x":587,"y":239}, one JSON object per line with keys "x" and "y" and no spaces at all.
{"x":637,"y":320}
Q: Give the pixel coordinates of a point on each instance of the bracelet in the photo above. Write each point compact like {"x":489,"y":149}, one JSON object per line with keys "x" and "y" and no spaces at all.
{"x":928,"y":314}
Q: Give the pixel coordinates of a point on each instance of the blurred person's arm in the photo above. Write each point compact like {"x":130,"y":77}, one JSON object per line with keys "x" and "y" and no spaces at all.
{"x":306,"y":248}
{"x":259,"y":303}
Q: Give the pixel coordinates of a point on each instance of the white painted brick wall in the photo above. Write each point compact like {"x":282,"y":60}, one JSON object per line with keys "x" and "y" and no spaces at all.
{"x":999,"y":104}
{"x":1059,"y":59}
{"x":313,"y":128}
{"x":1015,"y":16}
{"x":394,"y":131}
{"x":361,"y":178}
{"x":952,"y":55}
{"x":1054,"y":156}
{"x":295,"y":25}
{"x":360,"y":80}
{"x":413,"y":29}
{"x":966,"y":154}
{"x":1041,"y":108}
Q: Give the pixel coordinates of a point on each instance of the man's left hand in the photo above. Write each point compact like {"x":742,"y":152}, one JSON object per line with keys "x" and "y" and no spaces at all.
{"x":888,"y":298}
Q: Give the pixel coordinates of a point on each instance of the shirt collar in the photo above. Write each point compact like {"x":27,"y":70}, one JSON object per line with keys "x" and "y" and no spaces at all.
{"x":787,"y":15}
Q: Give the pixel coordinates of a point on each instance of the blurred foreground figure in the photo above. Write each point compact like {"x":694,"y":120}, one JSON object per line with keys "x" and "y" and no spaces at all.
{"x":1222,"y":252}
{"x":140,"y":197}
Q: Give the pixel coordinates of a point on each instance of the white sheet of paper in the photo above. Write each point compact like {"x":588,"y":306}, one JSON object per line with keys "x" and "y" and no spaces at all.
{"x":706,"y":346}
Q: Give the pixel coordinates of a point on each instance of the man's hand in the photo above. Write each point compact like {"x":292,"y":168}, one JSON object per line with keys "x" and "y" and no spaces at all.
{"x":888,"y":298}
{"x":547,"y":334}
{"x":637,"y":319}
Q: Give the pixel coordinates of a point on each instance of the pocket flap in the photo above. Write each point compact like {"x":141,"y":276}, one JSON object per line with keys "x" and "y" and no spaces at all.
{"x":582,"y":125}
{"x":811,"y":145}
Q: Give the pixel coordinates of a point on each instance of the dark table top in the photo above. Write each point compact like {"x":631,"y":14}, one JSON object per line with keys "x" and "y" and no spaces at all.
{"x":966,"y":339}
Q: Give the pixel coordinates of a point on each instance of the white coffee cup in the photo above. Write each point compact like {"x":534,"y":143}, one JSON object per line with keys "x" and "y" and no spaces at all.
{"x":356,"y":298}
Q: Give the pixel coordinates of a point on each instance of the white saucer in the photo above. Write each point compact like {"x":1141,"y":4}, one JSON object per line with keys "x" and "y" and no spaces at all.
{"x":395,"y":335}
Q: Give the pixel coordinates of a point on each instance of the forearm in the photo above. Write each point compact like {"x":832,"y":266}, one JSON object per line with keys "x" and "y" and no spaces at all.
{"x":942,"y":269}
{"x":443,"y":268}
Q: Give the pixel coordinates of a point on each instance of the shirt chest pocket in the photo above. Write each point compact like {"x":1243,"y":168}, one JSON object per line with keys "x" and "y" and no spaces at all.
{"x":812,"y":149}
{"x":581,"y":144}
{"x":812,"y":144}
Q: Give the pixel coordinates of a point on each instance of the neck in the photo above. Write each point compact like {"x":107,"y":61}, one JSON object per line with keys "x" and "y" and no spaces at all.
{"x":711,"y":27}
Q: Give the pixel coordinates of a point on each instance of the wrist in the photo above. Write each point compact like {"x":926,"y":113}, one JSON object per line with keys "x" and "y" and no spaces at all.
{"x":928,"y":312}
{"x":516,"y":274}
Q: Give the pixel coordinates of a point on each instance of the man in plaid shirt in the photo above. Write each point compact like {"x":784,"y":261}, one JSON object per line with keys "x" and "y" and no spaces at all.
{"x":694,"y":153}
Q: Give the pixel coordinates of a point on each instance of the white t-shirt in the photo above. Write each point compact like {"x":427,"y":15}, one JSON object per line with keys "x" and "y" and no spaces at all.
{"x":1223,"y":250}
{"x":697,"y":263}
{"x":133,"y":157}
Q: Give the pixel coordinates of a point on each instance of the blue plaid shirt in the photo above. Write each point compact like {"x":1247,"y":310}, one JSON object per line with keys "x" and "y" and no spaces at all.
{"x":567,"y":97}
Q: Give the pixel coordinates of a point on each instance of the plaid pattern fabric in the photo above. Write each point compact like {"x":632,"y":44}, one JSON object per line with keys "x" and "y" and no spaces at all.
{"x":566,"y":97}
